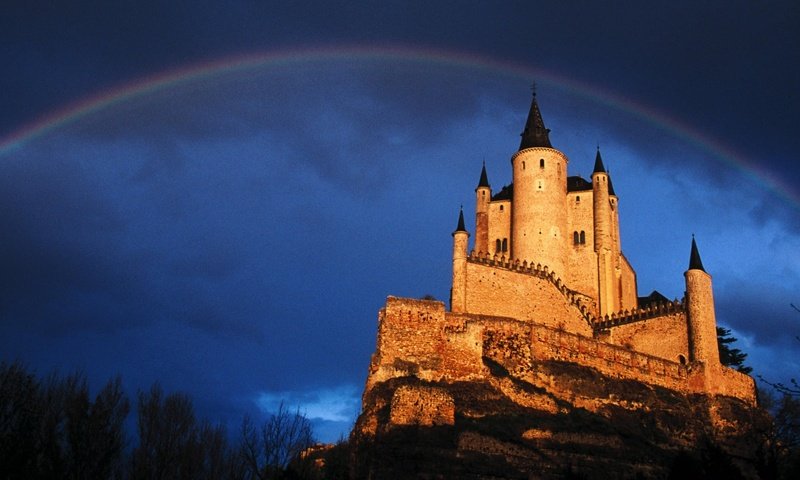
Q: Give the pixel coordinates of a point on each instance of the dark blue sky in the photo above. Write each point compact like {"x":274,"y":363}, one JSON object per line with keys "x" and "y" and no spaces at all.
{"x":233,"y":235}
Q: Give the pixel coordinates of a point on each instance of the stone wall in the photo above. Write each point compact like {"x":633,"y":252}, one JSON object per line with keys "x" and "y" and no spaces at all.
{"x":418,"y":338}
{"x":664,"y":337}
{"x":521,"y":295}
{"x":421,"y":405}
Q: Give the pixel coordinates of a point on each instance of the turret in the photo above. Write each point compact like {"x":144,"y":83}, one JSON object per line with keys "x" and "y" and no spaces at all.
{"x":703,"y":345}
{"x":458,"y":293}
{"x":483,"y":194}
{"x":604,"y":239}
{"x":539,"y":213}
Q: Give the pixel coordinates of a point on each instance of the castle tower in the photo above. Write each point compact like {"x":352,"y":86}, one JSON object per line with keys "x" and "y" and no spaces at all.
{"x":483,"y":194}
{"x":458,"y":293}
{"x":539,"y":213}
{"x":604,"y":233}
{"x":700,"y":310}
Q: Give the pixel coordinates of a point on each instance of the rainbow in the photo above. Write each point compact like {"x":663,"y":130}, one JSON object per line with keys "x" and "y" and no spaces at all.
{"x":187,"y":74}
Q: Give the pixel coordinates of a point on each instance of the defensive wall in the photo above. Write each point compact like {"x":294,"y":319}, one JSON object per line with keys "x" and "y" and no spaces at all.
{"x":418,"y":338}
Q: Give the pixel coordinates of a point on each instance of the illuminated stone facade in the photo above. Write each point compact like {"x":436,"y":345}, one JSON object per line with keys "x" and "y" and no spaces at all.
{"x":546,"y":281}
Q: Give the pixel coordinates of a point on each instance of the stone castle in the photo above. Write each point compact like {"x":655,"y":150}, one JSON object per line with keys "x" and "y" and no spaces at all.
{"x":547,"y":260}
{"x":546,"y":283}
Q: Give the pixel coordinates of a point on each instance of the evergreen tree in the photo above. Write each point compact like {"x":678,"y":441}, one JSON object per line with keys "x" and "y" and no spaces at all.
{"x":729,"y":356}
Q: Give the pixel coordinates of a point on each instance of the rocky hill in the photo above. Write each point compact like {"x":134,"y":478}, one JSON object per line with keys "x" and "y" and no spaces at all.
{"x":555,"y":420}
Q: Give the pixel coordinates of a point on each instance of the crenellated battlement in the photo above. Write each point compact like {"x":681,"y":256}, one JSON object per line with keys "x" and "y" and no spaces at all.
{"x":651,"y":311}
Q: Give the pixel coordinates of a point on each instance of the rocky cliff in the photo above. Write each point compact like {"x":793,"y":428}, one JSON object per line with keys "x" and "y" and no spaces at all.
{"x":554,"y":419}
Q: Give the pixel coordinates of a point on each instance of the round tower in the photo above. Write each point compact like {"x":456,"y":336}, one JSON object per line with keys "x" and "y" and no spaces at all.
{"x":703,"y":345}
{"x":539,"y":213}
{"x":607,"y":287}
{"x":458,"y":292}
{"x":483,"y":195}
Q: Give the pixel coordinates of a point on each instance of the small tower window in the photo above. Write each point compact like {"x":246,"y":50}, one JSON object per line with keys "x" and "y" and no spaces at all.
{"x":505,"y":245}
{"x":576,"y":239}
{"x":497,"y":245}
{"x":577,"y":199}
{"x":541,"y":163}
{"x":523,"y":165}
{"x":501,"y":208}
{"x":583,"y":237}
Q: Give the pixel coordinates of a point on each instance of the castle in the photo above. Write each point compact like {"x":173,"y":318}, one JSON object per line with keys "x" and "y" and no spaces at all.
{"x":547,"y":268}
{"x":546,"y":327}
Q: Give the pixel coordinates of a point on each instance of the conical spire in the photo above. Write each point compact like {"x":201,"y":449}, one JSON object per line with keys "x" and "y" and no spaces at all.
{"x":484,"y":181}
{"x":694,"y":259}
{"x":535,"y":133}
{"x":610,"y":185}
{"x":460,"y":227}
{"x":598,"y":163}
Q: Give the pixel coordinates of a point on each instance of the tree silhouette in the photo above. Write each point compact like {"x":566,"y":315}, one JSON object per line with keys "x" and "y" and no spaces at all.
{"x":728,"y":356}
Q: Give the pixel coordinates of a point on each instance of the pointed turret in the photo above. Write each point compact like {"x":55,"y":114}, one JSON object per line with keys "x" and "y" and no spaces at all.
{"x":484,"y":181}
{"x":458,"y":294}
{"x":483,"y":195}
{"x":700,"y":312}
{"x":460,"y":227}
{"x":611,"y":186}
{"x":694,"y":259}
{"x":535,"y":133}
{"x":598,"y":163}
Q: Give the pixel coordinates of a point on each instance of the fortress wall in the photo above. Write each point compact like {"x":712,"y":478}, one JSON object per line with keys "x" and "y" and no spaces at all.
{"x":416,"y":338}
{"x":664,"y":337}
{"x":612,"y":360}
{"x":732,"y":383}
{"x":499,"y":292}
{"x":515,"y":345}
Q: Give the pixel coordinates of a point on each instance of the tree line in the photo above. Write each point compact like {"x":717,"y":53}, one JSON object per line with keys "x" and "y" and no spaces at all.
{"x":52,"y":427}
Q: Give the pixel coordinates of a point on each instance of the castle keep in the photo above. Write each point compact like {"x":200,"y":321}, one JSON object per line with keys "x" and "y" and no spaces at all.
{"x":545,"y":319}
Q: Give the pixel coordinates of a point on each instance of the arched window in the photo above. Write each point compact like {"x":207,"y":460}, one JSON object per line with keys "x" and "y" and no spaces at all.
{"x":497,"y":245}
{"x":682,"y":359}
{"x":501,"y":208}
{"x":575,"y":238}
{"x":505,"y":245}
{"x":541,"y":163}
{"x":583,"y":237}
{"x":577,"y":199}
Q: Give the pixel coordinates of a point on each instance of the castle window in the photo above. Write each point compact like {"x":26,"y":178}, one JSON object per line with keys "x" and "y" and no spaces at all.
{"x":541,"y":163}
{"x":505,"y":245}
{"x":523,"y":165}
{"x":575,"y":238}
{"x":682,"y":359}
{"x":583,"y":237}
{"x":501,"y":208}
{"x":497,"y":245}
{"x":578,"y":199}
